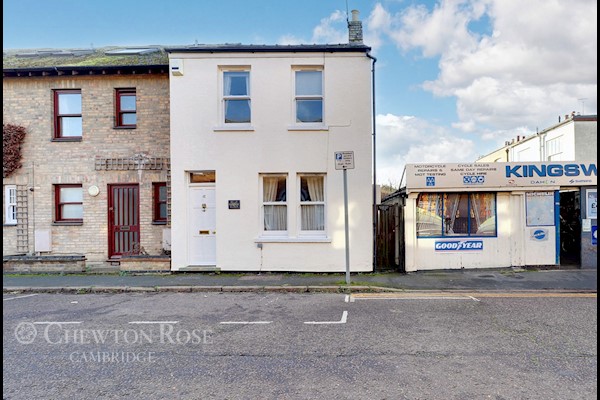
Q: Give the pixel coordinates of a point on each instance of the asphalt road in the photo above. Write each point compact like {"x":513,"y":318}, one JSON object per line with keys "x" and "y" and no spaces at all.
{"x":299,"y":346}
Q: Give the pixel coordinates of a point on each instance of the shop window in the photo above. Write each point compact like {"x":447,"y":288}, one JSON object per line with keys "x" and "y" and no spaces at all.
{"x":456,"y":214}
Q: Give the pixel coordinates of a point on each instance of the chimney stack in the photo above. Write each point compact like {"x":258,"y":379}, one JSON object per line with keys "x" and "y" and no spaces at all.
{"x":355,"y":33}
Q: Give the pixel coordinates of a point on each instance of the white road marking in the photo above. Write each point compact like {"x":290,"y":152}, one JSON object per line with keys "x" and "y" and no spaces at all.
{"x":342,"y":321}
{"x":347,"y":298}
{"x":474,"y":298}
{"x":245,"y":322}
{"x":153,"y":322}
{"x":20,"y":297}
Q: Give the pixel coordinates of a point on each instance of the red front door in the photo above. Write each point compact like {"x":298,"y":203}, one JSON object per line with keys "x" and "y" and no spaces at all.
{"x":123,"y":220}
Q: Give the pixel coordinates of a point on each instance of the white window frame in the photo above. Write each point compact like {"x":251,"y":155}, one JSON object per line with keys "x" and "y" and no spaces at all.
{"x":553,"y":149}
{"x":224,"y":98}
{"x":311,"y":233}
{"x":308,"y":125}
{"x":272,"y":233}
{"x":10,"y":205}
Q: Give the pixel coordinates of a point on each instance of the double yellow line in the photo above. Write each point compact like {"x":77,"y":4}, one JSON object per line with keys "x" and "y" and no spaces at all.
{"x":470,"y":295}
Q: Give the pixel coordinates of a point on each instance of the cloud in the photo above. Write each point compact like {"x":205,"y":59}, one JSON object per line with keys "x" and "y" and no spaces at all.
{"x":535,"y":63}
{"x":329,"y":31}
{"x":408,"y":139}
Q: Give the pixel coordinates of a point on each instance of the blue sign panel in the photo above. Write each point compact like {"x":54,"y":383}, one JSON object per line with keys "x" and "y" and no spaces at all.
{"x":430,"y":180}
{"x":595,"y":235}
{"x":459,"y":245}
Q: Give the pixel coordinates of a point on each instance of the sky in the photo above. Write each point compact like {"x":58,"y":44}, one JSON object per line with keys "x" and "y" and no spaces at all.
{"x":454,"y":79}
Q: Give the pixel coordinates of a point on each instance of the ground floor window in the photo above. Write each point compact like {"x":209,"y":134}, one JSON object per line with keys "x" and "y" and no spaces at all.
{"x":456,"y":214}
{"x":10,"y":205}
{"x":274,"y":203}
{"x":159,"y":202}
{"x":312,"y":203}
{"x":68,"y":203}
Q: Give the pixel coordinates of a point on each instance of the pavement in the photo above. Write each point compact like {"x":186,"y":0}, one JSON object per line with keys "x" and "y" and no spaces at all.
{"x":479,"y":280}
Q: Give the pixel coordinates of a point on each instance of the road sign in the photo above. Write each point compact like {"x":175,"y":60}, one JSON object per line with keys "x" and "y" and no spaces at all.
{"x":344,"y":160}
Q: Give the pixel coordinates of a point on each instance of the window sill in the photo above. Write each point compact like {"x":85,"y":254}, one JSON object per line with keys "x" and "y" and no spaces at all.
{"x":65,"y":223}
{"x":10,"y":224}
{"x":308,"y":127}
{"x":312,"y":239}
{"x":125,"y":127}
{"x":159,"y":222}
{"x":233,"y":128}
{"x":73,"y":139}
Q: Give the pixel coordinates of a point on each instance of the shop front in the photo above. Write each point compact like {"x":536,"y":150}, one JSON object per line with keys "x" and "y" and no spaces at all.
{"x":500,"y":215}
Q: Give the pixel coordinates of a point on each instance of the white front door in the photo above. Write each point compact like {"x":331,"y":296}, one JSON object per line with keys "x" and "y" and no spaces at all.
{"x":202,"y":226}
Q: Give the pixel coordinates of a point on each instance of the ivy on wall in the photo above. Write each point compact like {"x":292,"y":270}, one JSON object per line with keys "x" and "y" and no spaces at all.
{"x":12,"y":140}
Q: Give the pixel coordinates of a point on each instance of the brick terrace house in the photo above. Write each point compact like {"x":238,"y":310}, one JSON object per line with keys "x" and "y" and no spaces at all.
{"x":93,"y":185}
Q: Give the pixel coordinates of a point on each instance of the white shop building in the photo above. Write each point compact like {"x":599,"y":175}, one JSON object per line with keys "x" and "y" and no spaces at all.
{"x":499,"y":215}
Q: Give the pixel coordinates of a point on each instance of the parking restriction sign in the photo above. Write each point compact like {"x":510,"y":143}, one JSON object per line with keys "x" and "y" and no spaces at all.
{"x":344,"y":160}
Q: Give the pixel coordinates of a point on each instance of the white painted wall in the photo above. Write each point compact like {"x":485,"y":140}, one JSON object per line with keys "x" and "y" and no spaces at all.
{"x":238,"y":157}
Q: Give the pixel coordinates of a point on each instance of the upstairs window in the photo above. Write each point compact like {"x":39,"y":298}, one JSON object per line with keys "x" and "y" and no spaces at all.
{"x":312,"y":203}
{"x":274,"y":203}
{"x":126,"y":108}
{"x":10,"y":205}
{"x":553,"y":149}
{"x":236,"y":97}
{"x":309,"y":96}
{"x":68,"y":122}
{"x":160,"y":202}
{"x":68,"y":203}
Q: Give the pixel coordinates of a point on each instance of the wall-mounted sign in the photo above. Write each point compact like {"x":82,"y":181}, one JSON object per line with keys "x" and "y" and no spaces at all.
{"x":344,"y":160}
{"x":539,"y":208}
{"x":538,"y":235}
{"x":499,"y":175}
{"x":459,"y":245}
{"x":592,"y":203}
{"x":234,"y":204}
{"x":595,"y":235}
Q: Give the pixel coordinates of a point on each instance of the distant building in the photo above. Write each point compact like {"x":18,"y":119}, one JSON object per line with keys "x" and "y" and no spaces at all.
{"x":574,"y":138}
{"x":93,"y":185}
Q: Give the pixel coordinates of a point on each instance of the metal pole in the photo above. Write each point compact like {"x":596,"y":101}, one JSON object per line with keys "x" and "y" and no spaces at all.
{"x":346,"y":228}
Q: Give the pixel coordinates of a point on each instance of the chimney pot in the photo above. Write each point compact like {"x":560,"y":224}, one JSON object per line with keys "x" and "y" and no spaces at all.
{"x":355,"y":14}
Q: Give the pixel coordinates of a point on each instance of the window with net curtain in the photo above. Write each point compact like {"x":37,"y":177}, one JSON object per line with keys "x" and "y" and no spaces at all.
{"x":312,"y":203}
{"x":275,"y":203}
{"x":456,"y":214}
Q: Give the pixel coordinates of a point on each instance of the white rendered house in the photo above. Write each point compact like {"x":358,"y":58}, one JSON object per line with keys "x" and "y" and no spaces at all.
{"x":254,"y":130}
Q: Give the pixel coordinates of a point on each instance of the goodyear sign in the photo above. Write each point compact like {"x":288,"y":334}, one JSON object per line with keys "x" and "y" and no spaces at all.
{"x":500,"y":176}
{"x":458,"y":245}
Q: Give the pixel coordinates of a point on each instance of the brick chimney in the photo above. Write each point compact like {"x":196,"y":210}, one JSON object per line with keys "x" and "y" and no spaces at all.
{"x":355,"y":33}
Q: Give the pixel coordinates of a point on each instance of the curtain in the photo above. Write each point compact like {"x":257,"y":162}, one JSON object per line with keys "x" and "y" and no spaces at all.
{"x":275,"y":216}
{"x":313,"y":215}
